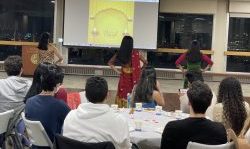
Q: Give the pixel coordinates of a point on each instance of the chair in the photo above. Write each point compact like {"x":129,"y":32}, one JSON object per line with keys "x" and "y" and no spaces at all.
{"x":37,"y":133}
{"x":194,"y":145}
{"x":73,"y":100}
{"x":4,"y":120}
{"x":62,"y":142}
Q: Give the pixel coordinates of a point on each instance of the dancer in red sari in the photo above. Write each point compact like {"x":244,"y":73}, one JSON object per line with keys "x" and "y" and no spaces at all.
{"x":130,"y":69}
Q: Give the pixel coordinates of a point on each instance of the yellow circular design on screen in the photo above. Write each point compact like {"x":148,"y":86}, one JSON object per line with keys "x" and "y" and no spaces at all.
{"x":34,"y":59}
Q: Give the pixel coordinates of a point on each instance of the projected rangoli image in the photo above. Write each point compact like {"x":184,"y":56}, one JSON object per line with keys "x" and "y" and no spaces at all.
{"x":109,"y":21}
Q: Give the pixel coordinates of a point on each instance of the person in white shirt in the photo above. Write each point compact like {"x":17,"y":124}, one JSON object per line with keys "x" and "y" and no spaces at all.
{"x":14,"y":88}
{"x":95,"y":121}
{"x":191,"y":77}
{"x":231,"y":108}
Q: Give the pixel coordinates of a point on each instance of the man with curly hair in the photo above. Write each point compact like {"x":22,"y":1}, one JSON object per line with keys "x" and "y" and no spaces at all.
{"x":14,"y":88}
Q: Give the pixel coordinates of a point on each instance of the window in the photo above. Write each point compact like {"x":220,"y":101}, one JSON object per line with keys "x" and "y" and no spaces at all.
{"x":238,"y":40}
{"x":6,"y":50}
{"x":176,"y":31}
{"x":24,"y":20}
{"x":90,"y":56}
{"x":162,"y":60}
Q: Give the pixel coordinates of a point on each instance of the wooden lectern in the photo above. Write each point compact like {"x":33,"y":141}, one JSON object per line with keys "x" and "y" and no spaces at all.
{"x":30,"y":59}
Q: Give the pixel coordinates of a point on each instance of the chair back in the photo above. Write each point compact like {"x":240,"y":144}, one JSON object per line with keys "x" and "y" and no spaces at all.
{"x":4,"y":120}
{"x":37,"y":133}
{"x":194,"y":145}
{"x":73,"y":100}
{"x":62,"y":142}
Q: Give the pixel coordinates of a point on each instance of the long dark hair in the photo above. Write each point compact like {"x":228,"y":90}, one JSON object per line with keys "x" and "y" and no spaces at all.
{"x":44,"y":41}
{"x":36,"y":83}
{"x":124,"y":54}
{"x":231,"y":97}
{"x":194,"y":54}
{"x":146,"y":86}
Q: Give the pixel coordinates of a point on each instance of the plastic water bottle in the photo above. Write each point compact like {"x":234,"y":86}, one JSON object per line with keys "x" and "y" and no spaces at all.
{"x":128,"y":100}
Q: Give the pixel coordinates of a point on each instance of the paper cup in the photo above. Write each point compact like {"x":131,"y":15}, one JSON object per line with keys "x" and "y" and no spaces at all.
{"x":138,"y":106}
{"x":158,"y":110}
{"x":178,"y":114}
{"x":138,"y":125}
{"x":114,"y":107}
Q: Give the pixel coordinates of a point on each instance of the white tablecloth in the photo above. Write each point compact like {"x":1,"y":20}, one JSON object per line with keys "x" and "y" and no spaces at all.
{"x":152,"y":126}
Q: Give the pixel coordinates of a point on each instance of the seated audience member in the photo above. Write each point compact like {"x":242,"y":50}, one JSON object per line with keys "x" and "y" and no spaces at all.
{"x":14,"y":88}
{"x":95,"y":121}
{"x":44,"y":107}
{"x":231,"y":109}
{"x":148,"y":90}
{"x":61,"y":94}
{"x":191,"y":77}
{"x":196,"y":128}
{"x":35,"y":88}
{"x":12,"y":92}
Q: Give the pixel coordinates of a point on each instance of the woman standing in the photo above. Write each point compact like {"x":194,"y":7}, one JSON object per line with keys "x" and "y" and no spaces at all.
{"x":194,"y":58}
{"x":147,"y":91}
{"x":47,"y":51}
{"x":130,"y":69}
{"x":231,"y":109}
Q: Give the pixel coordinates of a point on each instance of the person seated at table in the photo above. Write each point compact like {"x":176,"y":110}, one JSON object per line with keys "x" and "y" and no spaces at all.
{"x":95,"y":121}
{"x":13,"y":88}
{"x":231,"y":108}
{"x":196,"y":128}
{"x":44,"y":107}
{"x":35,"y":88}
{"x":192,"y":77}
{"x":147,"y":91}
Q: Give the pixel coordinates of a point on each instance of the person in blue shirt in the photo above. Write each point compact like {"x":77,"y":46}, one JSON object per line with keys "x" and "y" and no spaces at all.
{"x":147,"y":91}
{"x":44,"y":107}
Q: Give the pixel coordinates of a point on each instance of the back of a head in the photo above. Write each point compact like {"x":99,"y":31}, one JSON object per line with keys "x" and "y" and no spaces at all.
{"x":124,"y":54}
{"x":48,"y":78}
{"x":230,"y":95}
{"x":44,"y":41}
{"x":194,"y":54}
{"x":96,"y":89}
{"x":13,"y":65}
{"x":200,"y":97}
{"x":230,"y":87}
{"x":146,"y":85}
{"x":36,"y":83}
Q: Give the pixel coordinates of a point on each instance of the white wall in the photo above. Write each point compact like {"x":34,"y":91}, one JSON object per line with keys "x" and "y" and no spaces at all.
{"x":58,"y":28}
{"x":189,"y":6}
{"x":239,"y":6}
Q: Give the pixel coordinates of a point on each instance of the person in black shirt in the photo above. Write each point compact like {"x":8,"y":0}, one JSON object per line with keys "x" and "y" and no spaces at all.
{"x":196,"y":128}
